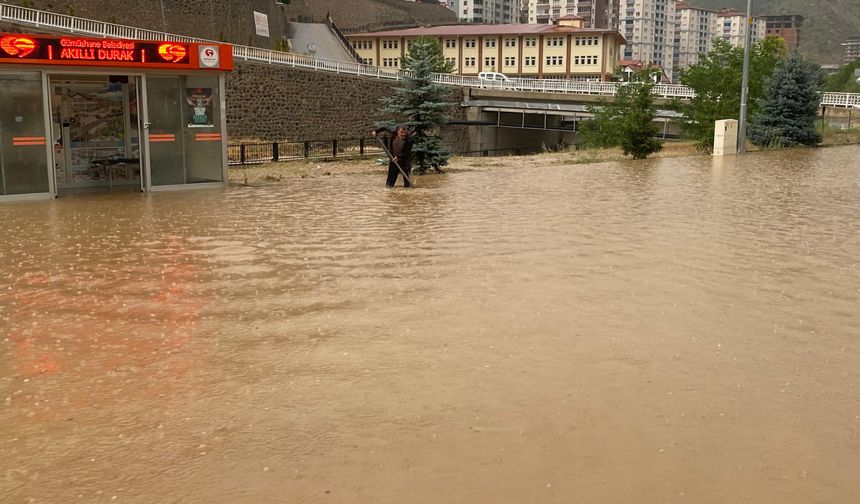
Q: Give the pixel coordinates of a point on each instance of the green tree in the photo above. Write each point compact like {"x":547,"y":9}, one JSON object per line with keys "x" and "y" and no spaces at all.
{"x":844,"y":80}
{"x":716,"y":80}
{"x":600,"y":131}
{"x":421,"y":104}
{"x":788,"y":110}
{"x":627,"y":121}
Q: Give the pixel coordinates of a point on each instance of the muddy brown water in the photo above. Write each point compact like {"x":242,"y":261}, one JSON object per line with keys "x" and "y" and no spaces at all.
{"x":672,"y":330}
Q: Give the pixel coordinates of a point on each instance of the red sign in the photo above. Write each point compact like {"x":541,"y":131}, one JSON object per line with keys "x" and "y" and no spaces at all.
{"x":76,"y":51}
{"x":17,"y":46}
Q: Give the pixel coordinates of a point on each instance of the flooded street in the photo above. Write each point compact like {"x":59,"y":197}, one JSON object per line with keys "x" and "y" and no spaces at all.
{"x":662,"y":331}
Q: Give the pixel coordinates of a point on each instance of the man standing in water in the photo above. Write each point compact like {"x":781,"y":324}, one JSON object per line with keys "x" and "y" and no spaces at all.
{"x":399,"y":145}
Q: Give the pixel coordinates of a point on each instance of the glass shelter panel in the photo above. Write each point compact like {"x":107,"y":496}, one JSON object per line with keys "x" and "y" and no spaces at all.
{"x":23,"y":157}
{"x":185,"y":138}
{"x":203,"y":130}
{"x":95,"y":131}
{"x":166,"y":152}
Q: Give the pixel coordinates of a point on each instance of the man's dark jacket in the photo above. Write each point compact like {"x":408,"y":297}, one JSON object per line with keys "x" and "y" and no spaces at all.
{"x":405,"y":158}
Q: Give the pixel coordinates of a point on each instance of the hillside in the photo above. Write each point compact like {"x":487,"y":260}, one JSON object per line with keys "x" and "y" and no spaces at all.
{"x":233,"y":21}
{"x":826,"y":25}
{"x":369,"y":14}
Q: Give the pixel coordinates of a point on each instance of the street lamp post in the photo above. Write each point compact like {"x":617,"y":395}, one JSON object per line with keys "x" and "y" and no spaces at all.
{"x":163,"y":20}
{"x":745,"y":83}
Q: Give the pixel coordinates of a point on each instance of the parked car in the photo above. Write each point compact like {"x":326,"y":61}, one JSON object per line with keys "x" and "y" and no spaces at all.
{"x":494,"y":79}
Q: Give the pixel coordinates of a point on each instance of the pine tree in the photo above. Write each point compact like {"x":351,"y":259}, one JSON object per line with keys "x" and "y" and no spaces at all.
{"x":422,"y":104}
{"x":788,"y":110}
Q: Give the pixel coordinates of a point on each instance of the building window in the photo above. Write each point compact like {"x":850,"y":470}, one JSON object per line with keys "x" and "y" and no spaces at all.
{"x":451,"y":61}
{"x":510,"y":42}
{"x":555,"y":41}
{"x":470,"y":62}
{"x":469,"y":43}
{"x":531,"y":42}
{"x":390,"y":44}
{"x":490,"y":42}
{"x":510,"y":61}
{"x":391,"y":62}
{"x":554,"y":60}
{"x":451,"y":43}
{"x":530,"y":61}
{"x":490,"y":62}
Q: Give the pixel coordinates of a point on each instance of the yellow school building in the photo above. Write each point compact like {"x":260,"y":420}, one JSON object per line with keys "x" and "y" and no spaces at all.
{"x":564,"y":50}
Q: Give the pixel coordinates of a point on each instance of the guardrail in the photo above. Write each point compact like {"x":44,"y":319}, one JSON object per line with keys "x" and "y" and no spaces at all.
{"x":332,"y":26}
{"x":71,"y":24}
{"x":255,"y":153}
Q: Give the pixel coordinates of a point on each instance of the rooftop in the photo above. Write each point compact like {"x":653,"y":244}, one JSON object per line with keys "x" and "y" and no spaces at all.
{"x":482,"y":29}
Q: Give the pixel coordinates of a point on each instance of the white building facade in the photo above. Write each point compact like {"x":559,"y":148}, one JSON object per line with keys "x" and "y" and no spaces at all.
{"x":649,"y":28}
{"x":732,"y":27}
{"x":486,"y":11}
{"x":595,"y":13}
{"x":695,"y":31}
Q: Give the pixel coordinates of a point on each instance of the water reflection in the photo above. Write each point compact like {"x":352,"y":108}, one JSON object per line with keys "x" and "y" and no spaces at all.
{"x":687,"y":326}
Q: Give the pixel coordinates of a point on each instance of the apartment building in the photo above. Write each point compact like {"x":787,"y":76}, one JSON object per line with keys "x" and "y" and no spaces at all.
{"x":649,"y":28}
{"x":564,"y":50}
{"x":852,"y":49}
{"x":786,"y":27}
{"x":486,"y":11}
{"x":732,"y":27}
{"x":595,"y":13}
{"x":695,"y":30}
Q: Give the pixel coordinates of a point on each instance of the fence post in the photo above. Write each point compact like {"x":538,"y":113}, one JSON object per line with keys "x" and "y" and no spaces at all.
{"x":275,"y":153}
{"x":307,"y":149}
{"x":242,"y":153}
{"x":360,"y":146}
{"x":334,"y":148}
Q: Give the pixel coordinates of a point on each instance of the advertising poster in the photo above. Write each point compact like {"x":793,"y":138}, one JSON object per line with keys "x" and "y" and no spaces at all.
{"x":200,"y":107}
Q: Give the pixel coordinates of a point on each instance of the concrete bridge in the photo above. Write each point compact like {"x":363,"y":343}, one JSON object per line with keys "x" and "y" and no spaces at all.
{"x":511,"y":120}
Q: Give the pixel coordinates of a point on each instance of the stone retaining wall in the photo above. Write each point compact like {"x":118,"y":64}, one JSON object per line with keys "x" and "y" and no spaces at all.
{"x":268,"y":103}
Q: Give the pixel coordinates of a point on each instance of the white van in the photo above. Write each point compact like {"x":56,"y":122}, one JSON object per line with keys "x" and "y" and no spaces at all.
{"x":494,"y":80}
{"x":493,"y":77}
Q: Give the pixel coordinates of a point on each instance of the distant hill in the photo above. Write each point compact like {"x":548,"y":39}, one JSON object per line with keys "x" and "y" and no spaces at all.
{"x":826,"y":23}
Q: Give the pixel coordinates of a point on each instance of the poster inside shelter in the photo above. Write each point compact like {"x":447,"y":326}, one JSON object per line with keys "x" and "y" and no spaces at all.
{"x":200,"y":107}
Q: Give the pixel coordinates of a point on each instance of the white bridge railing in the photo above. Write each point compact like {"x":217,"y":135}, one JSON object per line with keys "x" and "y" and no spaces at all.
{"x":71,"y":24}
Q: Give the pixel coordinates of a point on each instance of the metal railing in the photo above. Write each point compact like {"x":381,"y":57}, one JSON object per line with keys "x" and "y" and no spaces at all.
{"x":71,"y":24}
{"x":342,"y":39}
{"x":256,"y":153}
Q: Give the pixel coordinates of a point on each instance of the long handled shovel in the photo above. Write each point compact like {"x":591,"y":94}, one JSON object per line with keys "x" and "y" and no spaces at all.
{"x":391,"y":158}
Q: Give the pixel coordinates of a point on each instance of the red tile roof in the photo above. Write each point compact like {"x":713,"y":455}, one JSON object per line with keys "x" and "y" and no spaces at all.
{"x":465,"y":30}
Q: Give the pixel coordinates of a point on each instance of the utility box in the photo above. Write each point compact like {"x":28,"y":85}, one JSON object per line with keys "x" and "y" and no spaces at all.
{"x":726,"y":137}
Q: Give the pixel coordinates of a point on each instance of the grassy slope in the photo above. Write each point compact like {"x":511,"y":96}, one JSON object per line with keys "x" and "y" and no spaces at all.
{"x":827,"y":23}
{"x":354,"y":14}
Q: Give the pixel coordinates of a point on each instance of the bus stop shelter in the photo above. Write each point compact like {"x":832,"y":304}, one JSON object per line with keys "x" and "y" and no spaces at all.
{"x":88,"y":114}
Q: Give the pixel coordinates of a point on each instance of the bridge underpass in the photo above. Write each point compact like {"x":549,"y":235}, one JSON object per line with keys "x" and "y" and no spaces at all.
{"x":510,"y":121}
